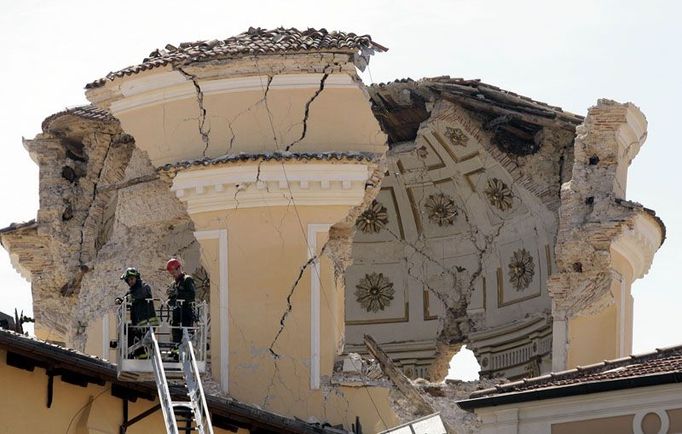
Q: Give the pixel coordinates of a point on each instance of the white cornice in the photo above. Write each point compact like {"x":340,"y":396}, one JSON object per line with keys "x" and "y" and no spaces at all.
{"x":632,"y":133}
{"x":171,"y":86}
{"x":275,"y":184}
{"x":638,"y":244}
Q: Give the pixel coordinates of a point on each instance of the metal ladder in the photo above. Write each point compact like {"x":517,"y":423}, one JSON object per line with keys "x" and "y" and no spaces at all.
{"x":194,"y":413}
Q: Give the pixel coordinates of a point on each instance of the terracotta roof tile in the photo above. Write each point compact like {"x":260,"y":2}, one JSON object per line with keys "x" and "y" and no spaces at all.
{"x":17,"y":226}
{"x":89,"y":112}
{"x":661,"y":361}
{"x":272,"y":156}
{"x":255,"y":41}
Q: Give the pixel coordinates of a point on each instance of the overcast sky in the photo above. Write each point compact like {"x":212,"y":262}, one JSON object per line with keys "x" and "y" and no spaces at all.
{"x":564,"y":53}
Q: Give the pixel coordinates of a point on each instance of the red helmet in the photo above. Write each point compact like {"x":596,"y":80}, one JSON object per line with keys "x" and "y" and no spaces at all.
{"x":173,"y":264}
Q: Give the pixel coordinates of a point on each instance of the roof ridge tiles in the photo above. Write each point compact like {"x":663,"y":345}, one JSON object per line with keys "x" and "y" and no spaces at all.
{"x":661,"y":361}
{"x":255,"y":41}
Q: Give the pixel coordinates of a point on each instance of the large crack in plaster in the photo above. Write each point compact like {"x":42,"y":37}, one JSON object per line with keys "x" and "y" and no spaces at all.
{"x":306,"y":112}
{"x":290,"y":306}
{"x":202,"y":110}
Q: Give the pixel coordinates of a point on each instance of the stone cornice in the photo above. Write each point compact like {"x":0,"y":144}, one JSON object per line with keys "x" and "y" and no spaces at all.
{"x":271,"y":184}
{"x":172,"y":85}
{"x":638,"y":243}
{"x":632,"y":132}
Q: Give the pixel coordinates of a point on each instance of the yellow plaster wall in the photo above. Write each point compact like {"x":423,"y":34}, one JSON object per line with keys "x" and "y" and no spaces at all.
{"x":267,"y":249}
{"x":617,"y":424}
{"x":592,"y":338}
{"x":23,"y":406}
{"x":340,"y":119}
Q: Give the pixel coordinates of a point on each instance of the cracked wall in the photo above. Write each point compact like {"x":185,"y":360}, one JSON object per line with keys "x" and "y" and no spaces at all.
{"x":604,"y":242}
{"x":455,"y":229}
{"x":75,"y":157}
{"x":307,"y":153}
{"x":454,"y":216}
{"x":103,"y":207}
{"x":246,"y":105}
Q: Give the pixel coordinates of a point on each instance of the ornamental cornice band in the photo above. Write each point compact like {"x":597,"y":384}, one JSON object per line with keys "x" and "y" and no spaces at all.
{"x":276,"y":184}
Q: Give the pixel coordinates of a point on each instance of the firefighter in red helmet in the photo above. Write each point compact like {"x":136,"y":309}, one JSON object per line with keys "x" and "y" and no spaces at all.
{"x":181,"y":296}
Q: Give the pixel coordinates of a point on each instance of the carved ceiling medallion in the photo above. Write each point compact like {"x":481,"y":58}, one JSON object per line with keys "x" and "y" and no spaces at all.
{"x":374,"y":292}
{"x":373,"y":219}
{"x":441,"y":209}
{"x":521,"y":269}
{"x":422,"y":152}
{"x":499,"y":195}
{"x":456,"y":136}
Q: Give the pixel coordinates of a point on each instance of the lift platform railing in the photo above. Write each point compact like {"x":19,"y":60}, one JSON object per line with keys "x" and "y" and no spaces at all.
{"x":161,"y":383}
{"x":133,"y":355}
{"x":195,"y":390}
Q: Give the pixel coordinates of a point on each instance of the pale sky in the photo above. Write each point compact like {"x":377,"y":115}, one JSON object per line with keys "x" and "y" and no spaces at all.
{"x":564,"y":53}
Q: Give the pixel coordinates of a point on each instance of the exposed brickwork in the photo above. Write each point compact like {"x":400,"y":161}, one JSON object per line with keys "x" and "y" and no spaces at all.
{"x":592,"y":214}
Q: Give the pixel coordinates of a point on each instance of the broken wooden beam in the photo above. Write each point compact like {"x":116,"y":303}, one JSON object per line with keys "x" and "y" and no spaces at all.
{"x":401,"y":381}
{"x":397,"y":377}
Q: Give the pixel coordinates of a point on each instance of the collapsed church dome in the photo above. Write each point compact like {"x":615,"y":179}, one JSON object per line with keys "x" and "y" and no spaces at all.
{"x":429,"y":214}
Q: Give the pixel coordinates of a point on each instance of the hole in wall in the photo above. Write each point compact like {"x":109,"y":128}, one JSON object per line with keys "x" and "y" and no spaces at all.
{"x":464,"y":366}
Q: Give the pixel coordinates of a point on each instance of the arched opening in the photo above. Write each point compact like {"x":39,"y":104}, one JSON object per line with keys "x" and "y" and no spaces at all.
{"x":464,"y":366}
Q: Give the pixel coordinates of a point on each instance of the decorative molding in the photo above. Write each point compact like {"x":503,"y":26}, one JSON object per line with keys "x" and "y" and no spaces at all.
{"x":224,"y":333}
{"x":404,"y":318}
{"x":170,"y":86}
{"x":631,"y":133}
{"x":315,"y":283}
{"x":539,"y":416}
{"x":448,"y":148}
{"x":638,"y":244}
{"x":559,"y":344}
{"x":16,"y":264}
{"x":105,"y":336}
{"x":278,"y":184}
{"x":500,"y":292}
{"x":639,"y":418}
{"x":621,"y":310}
{"x":374,"y":292}
{"x":427,"y":316}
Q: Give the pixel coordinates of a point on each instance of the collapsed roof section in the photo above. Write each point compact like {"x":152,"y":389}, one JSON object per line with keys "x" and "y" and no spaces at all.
{"x":254,"y":42}
{"x":401,"y":106}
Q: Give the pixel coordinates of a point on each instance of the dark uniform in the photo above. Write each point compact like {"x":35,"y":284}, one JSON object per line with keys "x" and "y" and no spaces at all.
{"x":181,"y":297}
{"x":142,"y":310}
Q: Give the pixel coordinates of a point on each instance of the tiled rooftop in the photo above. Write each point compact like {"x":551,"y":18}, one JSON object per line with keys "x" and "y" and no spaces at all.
{"x":93,"y":369}
{"x":255,"y":41}
{"x":89,"y":112}
{"x":272,"y":156}
{"x":661,"y":361}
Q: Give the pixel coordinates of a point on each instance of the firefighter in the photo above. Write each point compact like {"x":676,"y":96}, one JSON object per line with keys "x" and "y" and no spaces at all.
{"x":181,"y":295}
{"x":142,"y":312}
